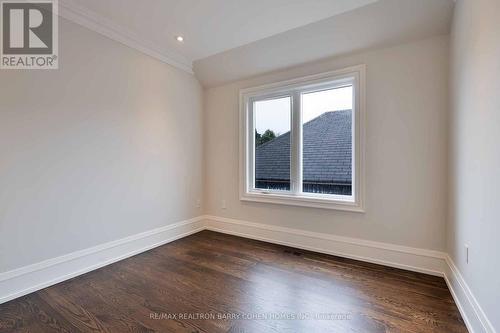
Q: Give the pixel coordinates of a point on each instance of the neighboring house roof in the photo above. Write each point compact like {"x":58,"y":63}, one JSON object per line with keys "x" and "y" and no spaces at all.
{"x":327,"y":151}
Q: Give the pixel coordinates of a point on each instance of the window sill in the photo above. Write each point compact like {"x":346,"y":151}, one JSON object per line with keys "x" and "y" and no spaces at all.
{"x":304,"y":201}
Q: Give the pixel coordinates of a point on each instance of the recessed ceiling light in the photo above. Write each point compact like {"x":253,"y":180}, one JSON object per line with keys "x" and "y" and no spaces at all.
{"x":179,"y":38}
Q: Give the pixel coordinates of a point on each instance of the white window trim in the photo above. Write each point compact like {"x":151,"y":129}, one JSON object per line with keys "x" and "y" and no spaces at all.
{"x":354,"y":75}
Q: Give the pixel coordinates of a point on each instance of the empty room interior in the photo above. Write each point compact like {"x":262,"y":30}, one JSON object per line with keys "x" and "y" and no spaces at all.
{"x":250,"y":166}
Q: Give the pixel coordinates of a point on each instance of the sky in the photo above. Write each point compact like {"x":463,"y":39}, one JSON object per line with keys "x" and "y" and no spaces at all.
{"x":275,"y":114}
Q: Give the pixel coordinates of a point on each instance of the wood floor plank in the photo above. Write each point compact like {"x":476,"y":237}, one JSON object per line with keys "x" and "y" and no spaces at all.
{"x":32,"y":314}
{"x":211,"y":282}
{"x":325,"y":294}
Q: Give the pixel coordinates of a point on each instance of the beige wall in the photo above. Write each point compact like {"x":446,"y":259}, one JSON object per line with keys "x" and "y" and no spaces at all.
{"x":107,"y":146}
{"x":475,"y":151}
{"x":406,"y":150}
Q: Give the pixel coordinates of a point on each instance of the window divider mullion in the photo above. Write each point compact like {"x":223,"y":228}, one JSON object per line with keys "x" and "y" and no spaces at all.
{"x":296,"y":145}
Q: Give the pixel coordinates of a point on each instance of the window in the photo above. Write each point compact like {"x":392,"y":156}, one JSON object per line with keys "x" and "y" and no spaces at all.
{"x":302,"y":141}
{"x":272,"y":143}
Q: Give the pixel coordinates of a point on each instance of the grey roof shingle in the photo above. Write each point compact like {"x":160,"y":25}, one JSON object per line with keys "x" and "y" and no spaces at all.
{"x":327,"y":151}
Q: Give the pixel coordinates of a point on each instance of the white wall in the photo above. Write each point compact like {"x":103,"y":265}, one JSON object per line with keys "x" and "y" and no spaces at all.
{"x":115,"y":143}
{"x":474,"y":217}
{"x":365,"y":28}
{"x":406,"y":149}
{"x":107,"y":146}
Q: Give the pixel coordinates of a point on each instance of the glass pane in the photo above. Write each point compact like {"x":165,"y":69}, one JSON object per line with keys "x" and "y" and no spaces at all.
{"x":327,"y":141}
{"x":272,"y":143}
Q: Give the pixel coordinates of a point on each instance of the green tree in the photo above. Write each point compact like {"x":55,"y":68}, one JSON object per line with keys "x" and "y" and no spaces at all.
{"x":258,"y":137}
{"x":268,"y":135}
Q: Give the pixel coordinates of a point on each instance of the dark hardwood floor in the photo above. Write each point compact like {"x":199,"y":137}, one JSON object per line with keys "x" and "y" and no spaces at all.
{"x":211,"y":282}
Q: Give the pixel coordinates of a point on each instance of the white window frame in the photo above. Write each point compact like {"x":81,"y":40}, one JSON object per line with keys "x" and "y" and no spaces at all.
{"x":353,"y":75}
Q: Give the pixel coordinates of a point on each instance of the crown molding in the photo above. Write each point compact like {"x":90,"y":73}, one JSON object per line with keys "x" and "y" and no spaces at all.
{"x":105,"y":27}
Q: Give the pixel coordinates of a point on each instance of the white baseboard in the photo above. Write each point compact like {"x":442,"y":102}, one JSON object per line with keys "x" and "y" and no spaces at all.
{"x":27,"y":279}
{"x":34,"y":277}
{"x":472,"y":313}
{"x":409,"y":258}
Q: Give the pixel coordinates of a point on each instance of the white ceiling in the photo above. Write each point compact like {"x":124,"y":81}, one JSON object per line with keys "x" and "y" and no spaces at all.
{"x":230,"y":39}
{"x":383,"y":23}
{"x":208,"y":26}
